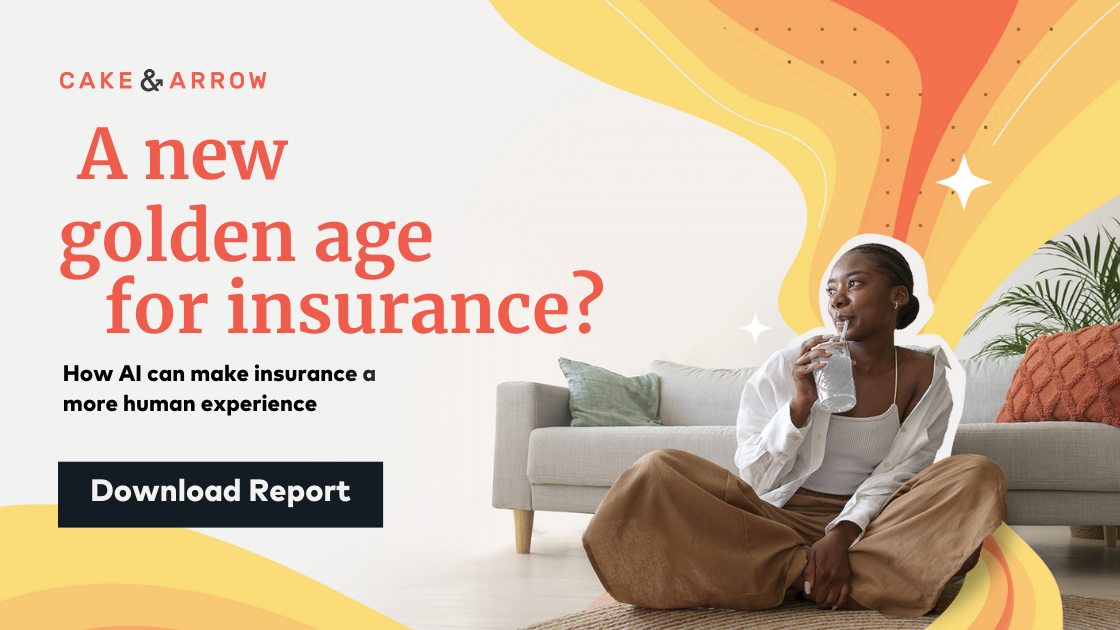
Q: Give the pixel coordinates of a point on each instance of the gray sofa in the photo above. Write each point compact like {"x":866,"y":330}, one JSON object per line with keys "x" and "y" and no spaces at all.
{"x":1058,"y":473}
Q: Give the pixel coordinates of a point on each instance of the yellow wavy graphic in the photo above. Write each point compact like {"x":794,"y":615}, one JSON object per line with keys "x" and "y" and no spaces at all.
{"x":889,"y":99}
{"x":170,"y":579}
{"x":1010,"y":589}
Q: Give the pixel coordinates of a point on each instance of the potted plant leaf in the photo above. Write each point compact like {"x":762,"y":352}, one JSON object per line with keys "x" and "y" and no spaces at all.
{"x":1082,"y":291}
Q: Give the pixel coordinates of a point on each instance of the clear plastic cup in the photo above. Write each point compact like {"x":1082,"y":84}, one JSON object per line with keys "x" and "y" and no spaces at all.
{"x":836,"y":387}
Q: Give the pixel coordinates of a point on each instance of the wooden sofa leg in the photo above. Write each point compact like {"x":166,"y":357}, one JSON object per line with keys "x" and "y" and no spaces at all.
{"x":523,"y":530}
{"x":1110,"y":535}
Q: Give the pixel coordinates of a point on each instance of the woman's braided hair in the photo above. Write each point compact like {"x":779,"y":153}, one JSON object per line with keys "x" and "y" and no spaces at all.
{"x":897,"y":270}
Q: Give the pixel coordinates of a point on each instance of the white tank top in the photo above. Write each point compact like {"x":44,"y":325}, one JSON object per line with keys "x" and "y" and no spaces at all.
{"x":854,"y":447}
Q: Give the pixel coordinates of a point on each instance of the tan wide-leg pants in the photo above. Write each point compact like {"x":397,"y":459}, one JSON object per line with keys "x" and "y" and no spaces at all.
{"x":678,"y":531}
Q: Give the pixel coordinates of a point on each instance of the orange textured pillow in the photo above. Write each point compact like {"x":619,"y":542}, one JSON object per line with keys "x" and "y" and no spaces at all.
{"x":1068,"y":376}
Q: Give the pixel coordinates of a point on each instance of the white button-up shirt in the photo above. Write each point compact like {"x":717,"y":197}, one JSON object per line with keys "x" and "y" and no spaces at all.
{"x":775,"y":457}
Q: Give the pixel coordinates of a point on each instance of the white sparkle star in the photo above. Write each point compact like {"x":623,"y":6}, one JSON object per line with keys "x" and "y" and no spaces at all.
{"x":964,"y":182}
{"x":754,"y":328}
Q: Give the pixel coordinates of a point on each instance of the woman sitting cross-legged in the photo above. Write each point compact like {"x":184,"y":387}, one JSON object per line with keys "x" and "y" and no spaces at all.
{"x":846,"y":509}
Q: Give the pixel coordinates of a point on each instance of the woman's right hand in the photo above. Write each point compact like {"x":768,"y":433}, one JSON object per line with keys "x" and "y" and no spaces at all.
{"x":802,"y":371}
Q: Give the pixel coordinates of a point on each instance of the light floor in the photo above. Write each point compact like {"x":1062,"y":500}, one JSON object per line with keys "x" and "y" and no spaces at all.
{"x":502,"y":589}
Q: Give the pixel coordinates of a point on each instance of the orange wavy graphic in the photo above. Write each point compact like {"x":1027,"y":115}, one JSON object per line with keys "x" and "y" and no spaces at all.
{"x":870,"y":105}
{"x":875,"y":109}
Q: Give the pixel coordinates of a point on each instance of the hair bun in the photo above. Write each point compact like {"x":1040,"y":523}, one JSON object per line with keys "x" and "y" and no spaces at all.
{"x":909,"y":313}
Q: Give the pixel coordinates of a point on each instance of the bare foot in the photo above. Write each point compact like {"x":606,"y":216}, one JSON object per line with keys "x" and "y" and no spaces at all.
{"x":852,"y":604}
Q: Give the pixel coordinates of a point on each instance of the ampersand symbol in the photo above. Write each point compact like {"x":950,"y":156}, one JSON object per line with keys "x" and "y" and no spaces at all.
{"x":149,"y":85}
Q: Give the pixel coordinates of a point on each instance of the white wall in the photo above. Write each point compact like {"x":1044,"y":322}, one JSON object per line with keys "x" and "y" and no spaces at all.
{"x":525,"y":169}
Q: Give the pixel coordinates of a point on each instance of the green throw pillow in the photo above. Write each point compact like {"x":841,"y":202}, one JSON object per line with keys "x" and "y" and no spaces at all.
{"x":601,"y":398}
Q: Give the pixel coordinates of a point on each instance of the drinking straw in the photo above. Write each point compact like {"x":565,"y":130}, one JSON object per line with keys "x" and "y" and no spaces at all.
{"x":845,"y":332}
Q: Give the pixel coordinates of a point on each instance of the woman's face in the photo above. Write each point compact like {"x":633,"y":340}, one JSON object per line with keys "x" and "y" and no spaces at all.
{"x":861,"y":294}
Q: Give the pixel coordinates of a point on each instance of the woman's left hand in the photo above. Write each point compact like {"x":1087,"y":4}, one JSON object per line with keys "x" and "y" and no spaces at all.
{"x":827,"y":574}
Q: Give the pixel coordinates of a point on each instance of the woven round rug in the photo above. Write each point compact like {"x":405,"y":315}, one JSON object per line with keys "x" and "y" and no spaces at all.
{"x":1079,"y":613}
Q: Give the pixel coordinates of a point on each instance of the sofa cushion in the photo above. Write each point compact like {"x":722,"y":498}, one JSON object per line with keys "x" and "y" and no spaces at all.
{"x":692,"y":396}
{"x":1071,"y":456}
{"x":1068,"y":376}
{"x":598,"y":397}
{"x":596,"y":456}
{"x":986,"y":384}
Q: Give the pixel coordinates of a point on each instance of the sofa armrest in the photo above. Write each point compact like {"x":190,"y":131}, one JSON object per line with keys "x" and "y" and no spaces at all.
{"x":1069,"y":456}
{"x":522,"y":407}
